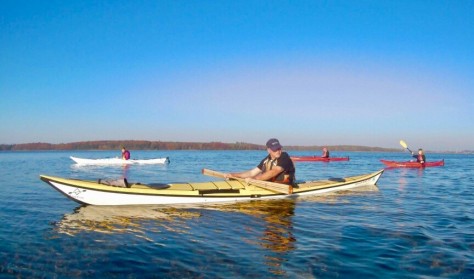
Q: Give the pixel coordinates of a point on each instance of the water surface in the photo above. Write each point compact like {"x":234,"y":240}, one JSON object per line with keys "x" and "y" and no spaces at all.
{"x":414,"y":223}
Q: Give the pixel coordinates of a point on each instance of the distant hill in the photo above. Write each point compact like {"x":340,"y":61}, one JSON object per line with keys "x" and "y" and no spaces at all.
{"x":163,"y":145}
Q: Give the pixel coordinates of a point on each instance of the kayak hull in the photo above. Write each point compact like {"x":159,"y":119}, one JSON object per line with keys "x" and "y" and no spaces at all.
{"x":96,"y":193}
{"x":317,"y":159}
{"x":119,"y":161}
{"x":408,"y":164}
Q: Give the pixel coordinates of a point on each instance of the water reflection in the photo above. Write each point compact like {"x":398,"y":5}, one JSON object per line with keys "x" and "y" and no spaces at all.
{"x":125,"y":168}
{"x":277,"y":235}
{"x":406,"y":175}
{"x":271,"y":224}
{"x":120,"y":219}
{"x":276,"y":214}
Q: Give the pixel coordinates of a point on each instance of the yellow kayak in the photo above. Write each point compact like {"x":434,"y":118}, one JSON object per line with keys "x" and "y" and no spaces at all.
{"x":122,"y":192}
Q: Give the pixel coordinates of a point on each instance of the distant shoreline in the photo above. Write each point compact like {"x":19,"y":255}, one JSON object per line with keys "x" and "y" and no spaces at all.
{"x":171,"y":145}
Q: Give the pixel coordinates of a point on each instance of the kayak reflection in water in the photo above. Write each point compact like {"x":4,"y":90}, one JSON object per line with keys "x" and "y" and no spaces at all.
{"x":125,"y":153}
{"x":133,"y":220}
{"x":276,"y":235}
{"x":420,"y":157}
{"x":125,"y":170}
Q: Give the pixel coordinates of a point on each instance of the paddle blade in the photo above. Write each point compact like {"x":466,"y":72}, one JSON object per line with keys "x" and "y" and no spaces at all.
{"x":213,"y":173}
{"x":403,"y":143}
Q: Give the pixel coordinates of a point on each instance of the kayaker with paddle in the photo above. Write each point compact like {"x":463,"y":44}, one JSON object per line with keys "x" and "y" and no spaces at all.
{"x":420,"y":157}
{"x":325,"y":153}
{"x":125,"y":154}
{"x":276,"y":167}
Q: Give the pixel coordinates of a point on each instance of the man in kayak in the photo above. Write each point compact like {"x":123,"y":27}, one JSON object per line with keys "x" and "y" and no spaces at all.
{"x":125,"y":153}
{"x":276,"y":167}
{"x":420,"y":157}
{"x":325,"y":153}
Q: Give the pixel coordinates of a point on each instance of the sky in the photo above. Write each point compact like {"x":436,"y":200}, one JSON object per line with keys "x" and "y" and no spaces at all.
{"x":366,"y":72}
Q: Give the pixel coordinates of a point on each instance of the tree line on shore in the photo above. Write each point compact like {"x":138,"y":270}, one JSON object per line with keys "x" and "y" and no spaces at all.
{"x":171,"y":145}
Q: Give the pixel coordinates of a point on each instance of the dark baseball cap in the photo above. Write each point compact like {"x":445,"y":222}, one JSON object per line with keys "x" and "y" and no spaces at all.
{"x":273,"y":144}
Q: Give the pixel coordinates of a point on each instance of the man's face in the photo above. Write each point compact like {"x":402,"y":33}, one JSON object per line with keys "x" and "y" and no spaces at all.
{"x":274,"y":154}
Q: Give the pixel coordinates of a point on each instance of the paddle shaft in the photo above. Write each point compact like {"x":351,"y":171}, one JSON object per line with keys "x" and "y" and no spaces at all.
{"x":272,"y":186}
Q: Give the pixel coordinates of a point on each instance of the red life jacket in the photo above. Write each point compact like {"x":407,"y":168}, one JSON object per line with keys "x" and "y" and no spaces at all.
{"x":126,"y":155}
{"x":420,"y":158}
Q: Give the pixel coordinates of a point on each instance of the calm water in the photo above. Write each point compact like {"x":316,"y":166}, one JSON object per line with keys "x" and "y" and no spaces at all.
{"x":414,"y":224}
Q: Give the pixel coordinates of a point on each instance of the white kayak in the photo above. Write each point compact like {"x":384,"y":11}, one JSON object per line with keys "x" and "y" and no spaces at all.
{"x":119,"y":161}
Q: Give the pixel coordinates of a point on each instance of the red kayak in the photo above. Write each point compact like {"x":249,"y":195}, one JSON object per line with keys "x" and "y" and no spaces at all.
{"x":394,"y":164}
{"x":317,"y":159}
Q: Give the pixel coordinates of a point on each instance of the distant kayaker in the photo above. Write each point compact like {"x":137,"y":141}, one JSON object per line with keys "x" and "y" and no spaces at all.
{"x":325,"y":153}
{"x":125,"y":153}
{"x":276,"y":167}
{"x":420,"y":157}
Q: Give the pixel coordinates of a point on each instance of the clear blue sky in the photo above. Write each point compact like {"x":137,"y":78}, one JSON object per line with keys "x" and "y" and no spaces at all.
{"x":307,"y":72}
